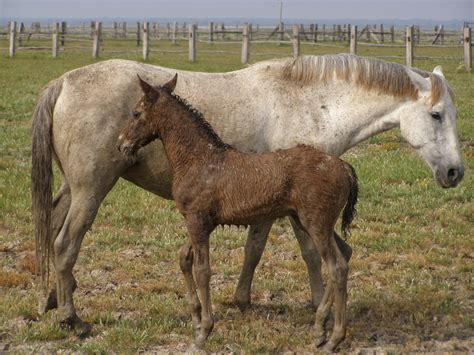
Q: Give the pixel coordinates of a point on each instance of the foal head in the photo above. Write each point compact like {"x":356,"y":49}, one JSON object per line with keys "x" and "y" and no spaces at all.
{"x":143,"y":126}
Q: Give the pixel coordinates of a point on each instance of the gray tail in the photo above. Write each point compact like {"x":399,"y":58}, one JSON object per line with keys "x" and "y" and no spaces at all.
{"x":350,"y":208}
{"x":42,"y":176}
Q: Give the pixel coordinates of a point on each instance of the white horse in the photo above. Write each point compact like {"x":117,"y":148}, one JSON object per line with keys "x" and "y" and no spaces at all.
{"x":330,"y":102}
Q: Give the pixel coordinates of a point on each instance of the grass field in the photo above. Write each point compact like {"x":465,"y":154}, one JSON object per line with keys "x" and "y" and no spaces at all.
{"x":411,"y":275}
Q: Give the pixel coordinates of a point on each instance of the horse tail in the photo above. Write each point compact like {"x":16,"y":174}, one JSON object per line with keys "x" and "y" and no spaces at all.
{"x":42,"y":176}
{"x":350,"y":210}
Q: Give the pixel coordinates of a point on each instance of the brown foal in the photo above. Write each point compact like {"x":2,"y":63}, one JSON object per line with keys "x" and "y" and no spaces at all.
{"x":215,"y":184}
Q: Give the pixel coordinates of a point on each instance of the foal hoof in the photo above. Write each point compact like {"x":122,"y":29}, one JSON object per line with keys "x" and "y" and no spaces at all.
{"x":329,"y":348}
{"x":320,"y":340}
{"x":46,"y":303}
{"x":80,"y":328}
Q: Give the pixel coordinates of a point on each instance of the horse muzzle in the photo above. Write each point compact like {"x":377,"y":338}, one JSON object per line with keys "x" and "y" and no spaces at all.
{"x":449,"y":177}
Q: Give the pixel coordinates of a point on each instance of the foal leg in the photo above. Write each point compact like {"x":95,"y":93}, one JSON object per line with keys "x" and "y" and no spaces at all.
{"x":338,"y":270}
{"x":199,"y":234}
{"x":186,"y":265}
{"x":256,"y":241}
{"x":313,"y":262}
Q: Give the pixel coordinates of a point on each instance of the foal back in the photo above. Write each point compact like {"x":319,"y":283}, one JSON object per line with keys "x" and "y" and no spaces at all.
{"x":241,"y":189}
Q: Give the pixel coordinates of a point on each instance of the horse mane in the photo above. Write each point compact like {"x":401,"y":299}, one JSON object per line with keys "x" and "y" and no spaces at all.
{"x":198,"y":118}
{"x":369,"y":73}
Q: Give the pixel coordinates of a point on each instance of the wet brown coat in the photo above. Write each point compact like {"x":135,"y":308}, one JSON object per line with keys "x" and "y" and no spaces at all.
{"x":215,"y":184}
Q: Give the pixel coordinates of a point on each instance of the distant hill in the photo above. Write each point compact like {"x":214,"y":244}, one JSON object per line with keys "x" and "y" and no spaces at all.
{"x":231,"y":21}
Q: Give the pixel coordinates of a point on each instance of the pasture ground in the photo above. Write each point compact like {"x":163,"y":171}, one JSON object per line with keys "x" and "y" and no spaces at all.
{"x":411,"y":275}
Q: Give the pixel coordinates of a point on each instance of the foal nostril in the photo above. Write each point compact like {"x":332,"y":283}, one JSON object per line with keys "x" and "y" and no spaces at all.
{"x":453,"y":175}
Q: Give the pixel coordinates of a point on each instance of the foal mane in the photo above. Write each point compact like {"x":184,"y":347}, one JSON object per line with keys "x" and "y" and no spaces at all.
{"x":198,"y":118}
{"x":369,"y":73}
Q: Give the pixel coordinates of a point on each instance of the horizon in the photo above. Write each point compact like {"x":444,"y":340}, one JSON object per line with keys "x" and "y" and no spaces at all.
{"x":314,"y":10}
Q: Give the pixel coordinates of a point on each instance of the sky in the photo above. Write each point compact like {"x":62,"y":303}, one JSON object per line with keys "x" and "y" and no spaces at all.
{"x":298,"y":9}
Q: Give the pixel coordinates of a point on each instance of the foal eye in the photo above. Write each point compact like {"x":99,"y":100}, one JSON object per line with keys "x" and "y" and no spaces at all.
{"x":135,"y":114}
{"x":436,"y":115}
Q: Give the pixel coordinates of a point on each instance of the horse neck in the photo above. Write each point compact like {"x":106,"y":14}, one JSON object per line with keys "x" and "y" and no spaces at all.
{"x":185,"y":140}
{"x":339,"y":118}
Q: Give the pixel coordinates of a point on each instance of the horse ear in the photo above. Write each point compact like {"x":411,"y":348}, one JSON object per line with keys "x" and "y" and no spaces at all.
{"x":438,"y":70}
{"x":149,"y":91}
{"x":170,"y":85}
{"x":421,"y":83}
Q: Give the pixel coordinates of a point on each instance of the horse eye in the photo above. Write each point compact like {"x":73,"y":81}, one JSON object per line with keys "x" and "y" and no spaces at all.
{"x":135,"y":114}
{"x":436,"y":115}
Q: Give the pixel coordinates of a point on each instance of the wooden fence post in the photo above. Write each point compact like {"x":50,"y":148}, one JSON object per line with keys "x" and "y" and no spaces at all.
{"x":97,"y":35}
{"x":63,"y":32}
{"x":296,"y":41}
{"x":315,"y":38}
{"x":12,"y":38}
{"x":223,"y":31}
{"x":211,"y":32}
{"x":55,"y":39}
{"x":21,"y":30}
{"x":409,"y":45}
{"x":353,"y":43}
{"x":245,"y":44}
{"x":281,"y":30}
{"x":250,"y":32}
{"x":115,"y":29}
{"x":324,"y":33}
{"x":392,"y":33}
{"x":192,"y":43}
{"x":334,"y":33}
{"x":467,"y":48}
{"x":174,"y":34}
{"x":146,"y":36}
{"x":124,"y":28}
{"x":381,"y":33}
{"x":139,"y":30}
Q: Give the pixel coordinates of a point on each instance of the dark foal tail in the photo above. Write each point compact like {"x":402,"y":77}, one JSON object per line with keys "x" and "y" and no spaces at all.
{"x":42,"y":176}
{"x":350,"y":210}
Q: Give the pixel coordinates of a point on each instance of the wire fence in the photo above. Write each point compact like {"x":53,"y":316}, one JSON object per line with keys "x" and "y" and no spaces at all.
{"x":402,"y":43}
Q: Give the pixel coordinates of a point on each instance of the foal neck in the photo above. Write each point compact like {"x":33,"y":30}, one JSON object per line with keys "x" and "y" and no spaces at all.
{"x":186,"y":135}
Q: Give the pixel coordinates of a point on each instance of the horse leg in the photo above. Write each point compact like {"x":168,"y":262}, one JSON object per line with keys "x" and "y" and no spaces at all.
{"x":256,"y":241}
{"x":313,"y":262}
{"x":61,"y":204}
{"x":186,"y":265}
{"x":81,"y":214}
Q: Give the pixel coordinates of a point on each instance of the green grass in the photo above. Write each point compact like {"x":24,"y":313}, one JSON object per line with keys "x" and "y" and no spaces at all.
{"x":410,"y":282}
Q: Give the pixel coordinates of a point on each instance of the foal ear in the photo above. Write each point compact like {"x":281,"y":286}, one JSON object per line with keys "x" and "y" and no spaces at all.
{"x":149,"y":91}
{"x":170,"y":85}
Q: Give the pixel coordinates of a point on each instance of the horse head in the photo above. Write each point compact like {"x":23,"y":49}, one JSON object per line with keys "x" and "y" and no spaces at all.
{"x":429,"y":126}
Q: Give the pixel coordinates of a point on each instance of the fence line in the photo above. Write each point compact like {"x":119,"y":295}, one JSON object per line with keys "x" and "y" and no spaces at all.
{"x":144,"y":35}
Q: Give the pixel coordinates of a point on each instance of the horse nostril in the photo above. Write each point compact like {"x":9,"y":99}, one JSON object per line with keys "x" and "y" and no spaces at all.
{"x":453,"y":175}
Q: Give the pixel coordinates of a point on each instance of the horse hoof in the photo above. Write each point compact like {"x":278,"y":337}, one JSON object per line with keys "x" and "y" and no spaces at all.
{"x":242,"y":304}
{"x":80,"y":328}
